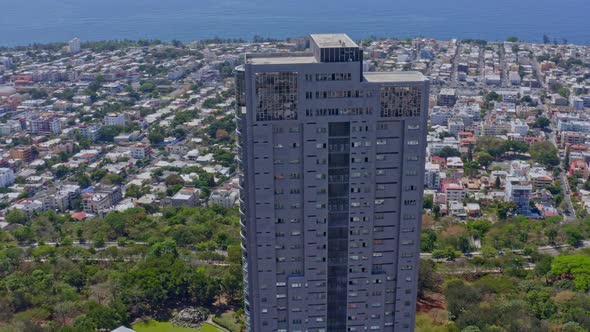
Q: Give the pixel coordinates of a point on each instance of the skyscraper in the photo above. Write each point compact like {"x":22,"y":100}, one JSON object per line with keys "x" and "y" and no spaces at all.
{"x":332,"y":163}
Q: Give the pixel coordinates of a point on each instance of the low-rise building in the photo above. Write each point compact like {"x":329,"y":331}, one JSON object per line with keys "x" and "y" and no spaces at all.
{"x":224,"y":197}
{"x":98,"y":200}
{"x":455,"y":192}
{"x":113,"y":119}
{"x":45,"y":125}
{"x":91,"y":131}
{"x":141,"y":151}
{"x":187,"y":196}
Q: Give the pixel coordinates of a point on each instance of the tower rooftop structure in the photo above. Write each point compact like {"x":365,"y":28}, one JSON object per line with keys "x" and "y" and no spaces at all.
{"x":333,"y":40}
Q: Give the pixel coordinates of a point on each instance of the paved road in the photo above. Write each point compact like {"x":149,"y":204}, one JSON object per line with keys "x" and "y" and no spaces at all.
{"x":565,"y":186}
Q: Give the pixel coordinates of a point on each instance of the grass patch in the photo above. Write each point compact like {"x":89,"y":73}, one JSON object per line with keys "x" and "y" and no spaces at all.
{"x":209,"y":328}
{"x":155,"y":326}
{"x":228,"y":321}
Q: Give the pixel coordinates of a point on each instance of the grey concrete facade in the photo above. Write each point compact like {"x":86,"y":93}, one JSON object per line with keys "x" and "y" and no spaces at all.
{"x":332,"y":175}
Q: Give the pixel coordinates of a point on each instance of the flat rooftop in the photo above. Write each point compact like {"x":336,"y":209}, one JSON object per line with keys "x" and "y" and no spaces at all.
{"x":279,"y":60}
{"x":394,"y":76}
{"x":333,"y":40}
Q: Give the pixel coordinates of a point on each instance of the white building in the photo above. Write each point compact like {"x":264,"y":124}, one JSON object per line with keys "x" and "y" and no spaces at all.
{"x":74,"y":45}
{"x":6,"y":177}
{"x":90,"y":131}
{"x":519,"y":126}
{"x":140,"y":151}
{"x":113,"y":119}
{"x":456,"y":126}
{"x":224,"y":197}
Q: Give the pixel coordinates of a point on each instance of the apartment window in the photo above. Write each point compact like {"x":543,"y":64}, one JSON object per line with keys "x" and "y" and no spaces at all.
{"x":408,"y":229}
{"x":400,"y":101}
{"x":414,"y":126}
{"x":381,"y":142}
{"x":413,"y":142}
{"x":380,"y":157}
{"x":276,"y":94}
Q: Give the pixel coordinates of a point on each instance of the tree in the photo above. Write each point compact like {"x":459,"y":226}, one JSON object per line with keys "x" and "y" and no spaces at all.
{"x":460,"y":297}
{"x":541,"y":122}
{"x":428,"y":202}
{"x":479,"y":227}
{"x":428,"y":240}
{"x":436,"y":211}
{"x":15,"y":216}
{"x":497,"y":183}
{"x":449,"y":253}
{"x":484,"y":158}
{"x":471,"y":168}
{"x":134,"y":191}
{"x":61,"y":171}
{"x":167,"y":248}
{"x":428,"y":279}
{"x":488,"y":251}
{"x":576,"y":266}
{"x":101,"y":317}
{"x":232,"y":283}
{"x":447,"y":152}
{"x":108,"y":133}
{"x":174,"y":179}
{"x":156,"y":136}
{"x":564,"y":92}
{"x":503,"y":209}
{"x":512,"y":39}
{"x":83,"y":180}
{"x":574,"y":234}
{"x":544,"y":153}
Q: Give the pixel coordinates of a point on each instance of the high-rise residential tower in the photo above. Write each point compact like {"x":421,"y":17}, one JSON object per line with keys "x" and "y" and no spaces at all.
{"x":332,"y":163}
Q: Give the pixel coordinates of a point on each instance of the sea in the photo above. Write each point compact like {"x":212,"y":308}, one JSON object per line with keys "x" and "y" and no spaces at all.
{"x":40,"y":21}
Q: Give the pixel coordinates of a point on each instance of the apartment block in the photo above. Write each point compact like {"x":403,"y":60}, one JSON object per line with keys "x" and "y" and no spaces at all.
{"x":332,"y":177}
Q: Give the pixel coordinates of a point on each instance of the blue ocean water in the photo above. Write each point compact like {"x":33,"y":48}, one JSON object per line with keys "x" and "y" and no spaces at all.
{"x":28,"y":21}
